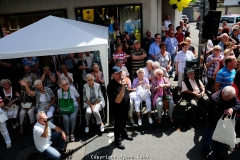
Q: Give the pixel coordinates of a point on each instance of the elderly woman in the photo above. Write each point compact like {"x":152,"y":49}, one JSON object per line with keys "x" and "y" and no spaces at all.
{"x":143,"y":83}
{"x":164,"y":58}
{"x":3,"y":127}
{"x":160,"y":94}
{"x":26,"y":101}
{"x":93,"y":101}
{"x":67,"y":76}
{"x":180,"y":63}
{"x":69,"y":120}
{"x":98,"y":75}
{"x":156,"y":65}
{"x":11,"y":101}
{"x":45,"y":97}
{"x":48,"y":78}
{"x":148,"y":70}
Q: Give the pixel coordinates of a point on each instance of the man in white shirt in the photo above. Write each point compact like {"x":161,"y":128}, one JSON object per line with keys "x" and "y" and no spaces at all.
{"x":167,"y":22}
{"x":42,"y":136}
{"x":194,"y":91}
{"x":89,"y":58}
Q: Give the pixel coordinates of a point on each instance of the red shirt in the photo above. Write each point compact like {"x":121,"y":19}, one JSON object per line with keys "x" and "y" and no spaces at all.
{"x":180,"y":38}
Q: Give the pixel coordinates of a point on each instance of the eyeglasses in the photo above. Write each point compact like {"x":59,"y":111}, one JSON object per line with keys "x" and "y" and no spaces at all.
{"x":217,"y":50}
{"x":64,"y":84}
{"x":5,"y":84}
{"x":160,"y":74}
{"x":90,"y":80}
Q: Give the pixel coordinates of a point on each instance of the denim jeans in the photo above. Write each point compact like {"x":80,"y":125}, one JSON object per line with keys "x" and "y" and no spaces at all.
{"x":209,"y":144}
{"x":51,"y":152}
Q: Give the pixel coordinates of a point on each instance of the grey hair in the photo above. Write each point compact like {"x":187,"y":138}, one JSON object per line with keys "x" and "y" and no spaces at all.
{"x":149,"y":62}
{"x":94,"y":65}
{"x":123,"y":72}
{"x":61,"y":81}
{"x":64,"y":66}
{"x":156,"y":64}
{"x":158,"y":71}
{"x":7,"y":80}
{"x":88,"y":76}
{"x":140,"y":69}
{"x":36,"y":82}
{"x":228,"y":91}
{"x":26,"y":80}
{"x":46,"y":67}
{"x":38,"y":114}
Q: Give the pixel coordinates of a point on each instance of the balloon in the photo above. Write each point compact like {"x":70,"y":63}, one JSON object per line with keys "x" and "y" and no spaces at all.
{"x":184,"y":3}
{"x":174,"y":6}
{"x":179,"y":5}
{"x":180,"y":8}
{"x":171,"y":2}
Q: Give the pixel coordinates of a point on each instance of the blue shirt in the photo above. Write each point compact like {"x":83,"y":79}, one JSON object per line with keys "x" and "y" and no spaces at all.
{"x":225,"y":77}
{"x":154,"y":49}
{"x":172,"y":46}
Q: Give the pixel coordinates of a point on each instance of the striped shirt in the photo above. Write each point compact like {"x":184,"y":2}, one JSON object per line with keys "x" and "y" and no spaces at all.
{"x":120,"y":56}
{"x":225,"y":77}
{"x":211,"y":69}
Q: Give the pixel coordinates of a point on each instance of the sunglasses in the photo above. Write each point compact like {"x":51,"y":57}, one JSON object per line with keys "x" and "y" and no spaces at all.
{"x":65,"y":84}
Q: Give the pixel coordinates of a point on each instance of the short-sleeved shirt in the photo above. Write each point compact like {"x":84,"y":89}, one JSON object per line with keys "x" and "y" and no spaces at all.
{"x":163,"y":60}
{"x":136,"y":64}
{"x":69,"y":63}
{"x":120,"y":56}
{"x":113,"y":90}
{"x":42,"y":143}
{"x":73,"y":94}
{"x":211,"y":69}
{"x":154,"y":49}
{"x":225,"y":77}
{"x":181,"y":58}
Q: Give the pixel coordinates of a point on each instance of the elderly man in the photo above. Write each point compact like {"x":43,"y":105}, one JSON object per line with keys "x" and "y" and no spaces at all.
{"x":194,"y":91}
{"x":118,"y":62}
{"x":226,"y":75}
{"x":43,"y":135}
{"x":224,"y":39}
{"x":29,"y":75}
{"x":118,"y":96}
{"x":235,"y":34}
{"x":154,"y":48}
{"x":212,"y":64}
{"x":222,"y":102}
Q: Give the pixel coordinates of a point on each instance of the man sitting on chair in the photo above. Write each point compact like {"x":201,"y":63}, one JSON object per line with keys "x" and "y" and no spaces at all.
{"x":194,"y":91}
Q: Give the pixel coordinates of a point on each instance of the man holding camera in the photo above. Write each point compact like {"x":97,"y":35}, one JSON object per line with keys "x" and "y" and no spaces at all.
{"x":42,"y":136}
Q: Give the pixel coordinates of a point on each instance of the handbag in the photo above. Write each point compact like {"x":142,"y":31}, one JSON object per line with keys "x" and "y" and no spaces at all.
{"x":26,"y":105}
{"x":3,"y":117}
{"x":42,"y":106}
{"x":13,"y":108}
{"x":66,"y":106}
{"x":143,"y":93}
{"x":225,"y":131}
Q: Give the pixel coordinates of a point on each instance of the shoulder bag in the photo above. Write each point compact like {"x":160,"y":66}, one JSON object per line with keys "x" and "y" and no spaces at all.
{"x":3,"y":117}
{"x":66,"y":106}
{"x":24,"y":104}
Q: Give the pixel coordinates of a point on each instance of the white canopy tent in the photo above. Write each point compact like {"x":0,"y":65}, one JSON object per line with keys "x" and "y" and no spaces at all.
{"x":53,"y":35}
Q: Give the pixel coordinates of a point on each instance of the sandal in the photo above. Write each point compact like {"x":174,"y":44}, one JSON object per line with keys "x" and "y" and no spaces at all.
{"x":72,"y":137}
{"x":67,"y":139}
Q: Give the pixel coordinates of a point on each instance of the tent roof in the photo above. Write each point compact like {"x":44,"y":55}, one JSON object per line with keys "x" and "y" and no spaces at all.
{"x":53,"y":35}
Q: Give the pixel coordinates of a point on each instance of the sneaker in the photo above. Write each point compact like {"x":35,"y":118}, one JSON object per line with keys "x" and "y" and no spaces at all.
{"x":13,"y":126}
{"x":72,"y":138}
{"x":139,"y":122}
{"x":132,"y":121}
{"x":102,"y":128}
{"x":179,"y":93}
{"x":86,"y":129}
{"x":67,"y":139}
{"x":150,"y":120}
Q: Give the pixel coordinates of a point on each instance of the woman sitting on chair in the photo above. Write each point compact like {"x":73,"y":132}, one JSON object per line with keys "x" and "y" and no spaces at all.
{"x":93,"y":101}
{"x":141,"y":83}
{"x":27,"y":100}
{"x":69,"y":120}
{"x":161,"y":94}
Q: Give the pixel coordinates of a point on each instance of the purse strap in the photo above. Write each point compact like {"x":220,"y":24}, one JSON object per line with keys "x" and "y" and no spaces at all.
{"x":69,"y":96}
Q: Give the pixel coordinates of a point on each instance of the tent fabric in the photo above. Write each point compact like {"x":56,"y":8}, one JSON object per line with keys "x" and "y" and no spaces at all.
{"x":54,"y":35}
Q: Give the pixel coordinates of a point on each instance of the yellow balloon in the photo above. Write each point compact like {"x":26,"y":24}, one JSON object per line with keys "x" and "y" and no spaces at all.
{"x":184,"y":3}
{"x":171,"y":2}
{"x":179,"y":4}
{"x":180,"y":9}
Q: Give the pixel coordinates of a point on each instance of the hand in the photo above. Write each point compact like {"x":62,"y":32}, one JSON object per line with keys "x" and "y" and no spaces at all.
{"x":47,"y":107}
{"x":168,"y":67}
{"x":49,"y":72}
{"x":229,"y":111}
{"x":92,"y":107}
{"x":22,"y":83}
{"x":63,"y":136}
{"x":161,"y":86}
{"x":44,"y":72}
{"x":65,"y":74}
{"x":10,"y":104}
{"x":46,"y":123}
{"x":17,"y":94}
{"x":123,"y":82}
{"x":57,"y":73}
{"x":81,"y":67}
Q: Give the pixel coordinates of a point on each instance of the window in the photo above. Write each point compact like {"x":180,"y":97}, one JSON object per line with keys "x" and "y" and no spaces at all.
{"x":227,"y":19}
{"x":237,"y":19}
